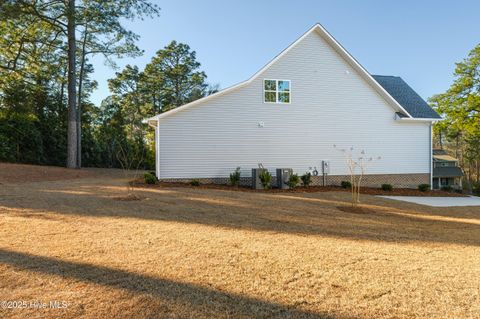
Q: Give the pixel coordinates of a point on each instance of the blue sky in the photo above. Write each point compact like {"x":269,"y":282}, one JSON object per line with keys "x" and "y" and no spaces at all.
{"x":417,"y":40}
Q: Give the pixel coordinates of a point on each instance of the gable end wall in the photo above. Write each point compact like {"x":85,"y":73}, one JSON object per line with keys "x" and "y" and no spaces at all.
{"x":330,"y":104}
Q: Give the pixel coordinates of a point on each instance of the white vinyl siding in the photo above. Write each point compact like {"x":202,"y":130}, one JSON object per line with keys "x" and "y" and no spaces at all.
{"x":333,"y":104}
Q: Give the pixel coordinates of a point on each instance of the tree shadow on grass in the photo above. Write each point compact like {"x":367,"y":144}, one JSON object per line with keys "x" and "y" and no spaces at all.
{"x":306,"y":214}
{"x":210,"y":302}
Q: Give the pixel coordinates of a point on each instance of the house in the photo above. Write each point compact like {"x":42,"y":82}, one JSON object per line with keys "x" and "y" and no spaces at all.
{"x":291,"y":113}
{"x":446,"y":172}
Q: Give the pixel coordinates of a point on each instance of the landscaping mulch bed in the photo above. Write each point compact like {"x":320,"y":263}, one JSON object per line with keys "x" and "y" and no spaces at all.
{"x":129,"y":197}
{"x":356,"y":210}
{"x":302,"y":189}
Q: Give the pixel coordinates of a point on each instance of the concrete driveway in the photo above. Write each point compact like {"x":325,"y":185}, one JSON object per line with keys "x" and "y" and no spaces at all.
{"x":438,"y":201}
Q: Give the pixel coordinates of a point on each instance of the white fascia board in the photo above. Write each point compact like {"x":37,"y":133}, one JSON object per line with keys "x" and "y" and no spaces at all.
{"x":236,"y":86}
{"x":203,"y":99}
{"x":332,"y":41}
{"x":359,"y":68}
{"x":418,"y":119}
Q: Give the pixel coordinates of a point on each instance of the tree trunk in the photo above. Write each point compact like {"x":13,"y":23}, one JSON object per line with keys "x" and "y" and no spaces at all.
{"x":72,"y":99}
{"x":456,"y":146}
{"x":470,"y":172}
{"x":79,"y":106}
{"x":478,"y":171}
{"x":62,"y":92}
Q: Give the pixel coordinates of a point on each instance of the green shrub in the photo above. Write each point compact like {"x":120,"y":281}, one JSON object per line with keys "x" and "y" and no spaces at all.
{"x":346,"y":184}
{"x":150,"y":178}
{"x":387,"y":187}
{"x":458,"y":190}
{"x":476,"y":189}
{"x":265,"y":179}
{"x":447,"y":188}
{"x":293,"y":181}
{"x":423,"y":187}
{"x":21,"y":139}
{"x":235,"y":177}
{"x":306,"y":179}
{"x":195,"y":182}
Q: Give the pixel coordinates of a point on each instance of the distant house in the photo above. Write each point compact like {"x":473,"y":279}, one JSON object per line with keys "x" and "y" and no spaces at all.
{"x":446,"y":172}
{"x":312,"y":96}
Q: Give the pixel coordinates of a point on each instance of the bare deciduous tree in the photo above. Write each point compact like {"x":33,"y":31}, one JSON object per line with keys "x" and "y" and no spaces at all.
{"x":357,"y":165}
{"x":130,"y":160}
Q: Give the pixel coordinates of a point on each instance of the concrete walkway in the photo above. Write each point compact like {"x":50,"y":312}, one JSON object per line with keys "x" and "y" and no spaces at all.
{"x":438,"y":201}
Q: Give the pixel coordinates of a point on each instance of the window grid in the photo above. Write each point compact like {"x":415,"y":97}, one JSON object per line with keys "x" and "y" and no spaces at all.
{"x":277,"y":91}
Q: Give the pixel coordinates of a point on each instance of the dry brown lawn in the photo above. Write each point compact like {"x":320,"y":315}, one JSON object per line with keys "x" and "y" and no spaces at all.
{"x":20,"y":173}
{"x":207,"y":253}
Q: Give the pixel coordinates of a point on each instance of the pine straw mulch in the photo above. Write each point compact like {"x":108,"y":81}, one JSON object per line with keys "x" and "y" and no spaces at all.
{"x":302,"y":189}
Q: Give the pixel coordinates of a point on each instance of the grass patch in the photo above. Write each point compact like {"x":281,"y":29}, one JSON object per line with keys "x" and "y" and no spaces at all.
{"x":196,"y":252}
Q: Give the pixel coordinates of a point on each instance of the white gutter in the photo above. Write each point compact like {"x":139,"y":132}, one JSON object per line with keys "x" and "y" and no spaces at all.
{"x":418,"y":119}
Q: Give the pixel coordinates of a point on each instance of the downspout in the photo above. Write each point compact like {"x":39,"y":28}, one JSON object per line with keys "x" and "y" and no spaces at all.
{"x":431,"y":156}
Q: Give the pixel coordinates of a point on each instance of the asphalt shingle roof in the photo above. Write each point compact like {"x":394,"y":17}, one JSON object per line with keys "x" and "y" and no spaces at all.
{"x":406,"y":96}
{"x":452,"y":171}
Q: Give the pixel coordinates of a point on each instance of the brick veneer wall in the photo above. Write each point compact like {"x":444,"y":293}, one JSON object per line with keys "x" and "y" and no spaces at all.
{"x":373,"y":180}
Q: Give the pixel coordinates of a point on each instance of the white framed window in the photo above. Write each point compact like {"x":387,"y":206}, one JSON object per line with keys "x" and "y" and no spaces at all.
{"x":276,"y":91}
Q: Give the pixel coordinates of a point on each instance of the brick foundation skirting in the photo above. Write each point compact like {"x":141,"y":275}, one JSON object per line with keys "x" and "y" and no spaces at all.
{"x":372,"y":180}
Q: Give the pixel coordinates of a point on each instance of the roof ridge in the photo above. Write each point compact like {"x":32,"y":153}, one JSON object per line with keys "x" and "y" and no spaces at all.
{"x":332,"y":42}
